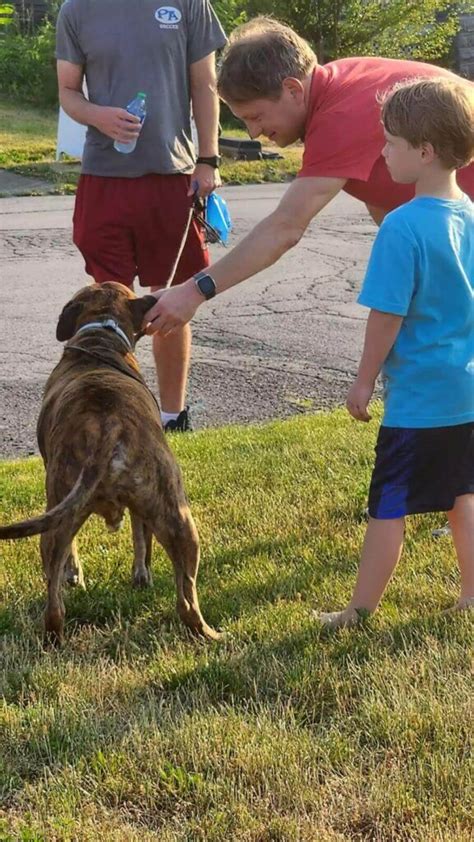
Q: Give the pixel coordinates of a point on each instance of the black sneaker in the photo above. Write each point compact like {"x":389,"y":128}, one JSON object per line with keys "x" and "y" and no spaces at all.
{"x":181,"y":424}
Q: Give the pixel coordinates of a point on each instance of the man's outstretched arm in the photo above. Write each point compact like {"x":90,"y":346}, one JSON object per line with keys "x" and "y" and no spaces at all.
{"x":262,"y":247}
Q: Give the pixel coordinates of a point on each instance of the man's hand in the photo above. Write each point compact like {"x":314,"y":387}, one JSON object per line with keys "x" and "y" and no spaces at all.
{"x":173,"y":309}
{"x":204,"y":180}
{"x":358,"y":398}
{"x":117,"y":123}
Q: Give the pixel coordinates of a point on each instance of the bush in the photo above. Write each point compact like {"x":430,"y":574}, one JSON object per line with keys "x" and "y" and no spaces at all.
{"x":28,"y":65}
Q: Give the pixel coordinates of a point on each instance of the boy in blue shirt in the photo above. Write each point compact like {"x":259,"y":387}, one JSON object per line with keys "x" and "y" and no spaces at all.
{"x":419,"y":287}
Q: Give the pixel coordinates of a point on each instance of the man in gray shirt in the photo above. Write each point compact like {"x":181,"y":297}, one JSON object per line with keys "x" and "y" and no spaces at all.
{"x":131,"y":209}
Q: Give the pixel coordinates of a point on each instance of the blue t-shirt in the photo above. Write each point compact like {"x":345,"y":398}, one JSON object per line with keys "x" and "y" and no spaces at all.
{"x":422,"y":268}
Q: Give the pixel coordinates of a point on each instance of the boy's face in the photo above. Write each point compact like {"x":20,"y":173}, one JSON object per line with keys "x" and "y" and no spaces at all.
{"x":281,"y":121}
{"x":404,"y":162}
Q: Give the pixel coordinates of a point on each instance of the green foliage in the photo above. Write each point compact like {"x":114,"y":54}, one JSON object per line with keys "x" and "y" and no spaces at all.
{"x":230,"y":14}
{"x":418,"y":29}
{"x":7,"y":12}
{"x":28,"y":67}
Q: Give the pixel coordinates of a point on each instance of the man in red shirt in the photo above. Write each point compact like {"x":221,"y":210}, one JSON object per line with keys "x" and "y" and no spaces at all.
{"x":271,"y":80}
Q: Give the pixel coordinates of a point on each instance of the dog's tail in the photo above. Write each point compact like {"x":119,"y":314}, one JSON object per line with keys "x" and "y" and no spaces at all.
{"x":80,"y":493}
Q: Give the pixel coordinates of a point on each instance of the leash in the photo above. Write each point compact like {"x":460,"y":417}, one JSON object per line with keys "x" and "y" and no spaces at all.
{"x":198,"y":210}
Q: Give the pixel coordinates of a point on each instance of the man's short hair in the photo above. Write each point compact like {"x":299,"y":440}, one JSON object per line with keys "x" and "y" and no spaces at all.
{"x":439,"y":111}
{"x":259,"y":56}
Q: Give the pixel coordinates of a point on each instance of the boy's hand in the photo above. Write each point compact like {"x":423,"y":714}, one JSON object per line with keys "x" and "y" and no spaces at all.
{"x":358,"y":398}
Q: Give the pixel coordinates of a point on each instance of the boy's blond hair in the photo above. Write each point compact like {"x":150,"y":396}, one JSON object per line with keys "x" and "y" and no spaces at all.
{"x":439,"y":111}
{"x":259,"y":56}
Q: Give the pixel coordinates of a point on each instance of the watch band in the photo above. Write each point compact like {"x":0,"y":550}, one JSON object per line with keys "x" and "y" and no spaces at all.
{"x":212,"y":161}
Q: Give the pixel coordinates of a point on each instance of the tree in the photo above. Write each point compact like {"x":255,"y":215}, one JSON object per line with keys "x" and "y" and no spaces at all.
{"x":417,"y":29}
{"x":230,"y":13}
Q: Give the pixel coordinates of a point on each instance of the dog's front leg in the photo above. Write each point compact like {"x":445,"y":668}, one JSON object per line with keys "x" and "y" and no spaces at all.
{"x":142,"y":538}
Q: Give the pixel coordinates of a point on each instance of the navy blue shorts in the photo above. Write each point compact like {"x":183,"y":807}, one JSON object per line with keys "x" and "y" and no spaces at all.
{"x":419,"y":471}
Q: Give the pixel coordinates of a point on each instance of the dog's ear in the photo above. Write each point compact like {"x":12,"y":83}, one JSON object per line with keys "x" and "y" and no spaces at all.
{"x":68,"y":320}
{"x":138,"y":307}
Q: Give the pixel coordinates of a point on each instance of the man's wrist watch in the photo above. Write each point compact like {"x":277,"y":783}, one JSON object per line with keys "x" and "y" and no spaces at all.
{"x":213,"y":161}
{"x":205,"y":284}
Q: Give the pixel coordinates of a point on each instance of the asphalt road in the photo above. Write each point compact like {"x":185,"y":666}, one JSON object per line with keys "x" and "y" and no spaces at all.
{"x":285,"y":342}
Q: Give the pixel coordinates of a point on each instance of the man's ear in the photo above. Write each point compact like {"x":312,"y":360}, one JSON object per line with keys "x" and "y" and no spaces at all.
{"x":138,"y":307}
{"x":67,"y":321}
{"x":294,"y":87}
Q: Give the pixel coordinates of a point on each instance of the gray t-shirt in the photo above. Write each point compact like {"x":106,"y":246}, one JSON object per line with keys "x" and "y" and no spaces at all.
{"x":128,"y":46}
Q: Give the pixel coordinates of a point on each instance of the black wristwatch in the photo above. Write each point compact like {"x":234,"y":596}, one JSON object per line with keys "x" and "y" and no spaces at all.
{"x":205,"y":284}
{"x":213,"y":161}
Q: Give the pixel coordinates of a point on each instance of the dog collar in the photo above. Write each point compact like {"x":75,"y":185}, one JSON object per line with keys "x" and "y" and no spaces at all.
{"x":109,"y":324}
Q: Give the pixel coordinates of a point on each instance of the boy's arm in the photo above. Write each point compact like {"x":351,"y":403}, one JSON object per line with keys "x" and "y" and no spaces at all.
{"x":381,"y":332}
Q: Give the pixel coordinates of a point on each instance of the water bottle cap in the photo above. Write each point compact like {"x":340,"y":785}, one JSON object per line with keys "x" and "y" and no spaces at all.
{"x":141,"y":94}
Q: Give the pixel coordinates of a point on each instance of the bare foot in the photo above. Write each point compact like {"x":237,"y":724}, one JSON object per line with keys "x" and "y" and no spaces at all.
{"x":465,"y":603}
{"x":339,"y":619}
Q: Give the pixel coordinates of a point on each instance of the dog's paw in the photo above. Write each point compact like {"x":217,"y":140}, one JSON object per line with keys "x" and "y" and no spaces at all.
{"x":74,"y":580}
{"x":204,"y":632}
{"x":211,"y":634}
{"x":73,"y":576}
{"x":142,"y":578}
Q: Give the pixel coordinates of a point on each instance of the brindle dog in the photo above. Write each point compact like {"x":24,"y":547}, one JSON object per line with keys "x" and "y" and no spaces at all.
{"x":100,"y":436}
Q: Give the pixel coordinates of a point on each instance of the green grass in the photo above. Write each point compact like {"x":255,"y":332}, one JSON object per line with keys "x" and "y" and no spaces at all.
{"x":28,"y":147}
{"x":134,"y":732}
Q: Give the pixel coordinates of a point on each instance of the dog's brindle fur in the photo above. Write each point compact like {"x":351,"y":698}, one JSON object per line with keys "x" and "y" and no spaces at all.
{"x":100,"y":436}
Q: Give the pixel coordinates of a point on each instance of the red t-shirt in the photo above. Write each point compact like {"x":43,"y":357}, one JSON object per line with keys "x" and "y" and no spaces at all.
{"x":344,"y":136}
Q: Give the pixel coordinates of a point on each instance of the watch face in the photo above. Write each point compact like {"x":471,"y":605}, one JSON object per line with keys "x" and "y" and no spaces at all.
{"x":206,"y":285}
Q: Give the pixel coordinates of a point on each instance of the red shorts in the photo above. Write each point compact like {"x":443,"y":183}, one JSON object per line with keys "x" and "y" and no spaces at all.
{"x":126,"y":227}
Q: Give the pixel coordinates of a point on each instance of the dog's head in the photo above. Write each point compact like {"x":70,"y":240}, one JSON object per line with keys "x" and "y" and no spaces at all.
{"x":104,"y":301}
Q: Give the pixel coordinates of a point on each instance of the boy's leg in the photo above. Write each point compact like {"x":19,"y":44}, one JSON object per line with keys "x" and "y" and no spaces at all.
{"x":461,"y":520}
{"x":381,"y":551}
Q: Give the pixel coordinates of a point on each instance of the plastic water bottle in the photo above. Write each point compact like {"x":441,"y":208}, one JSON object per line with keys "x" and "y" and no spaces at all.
{"x":137,"y":107}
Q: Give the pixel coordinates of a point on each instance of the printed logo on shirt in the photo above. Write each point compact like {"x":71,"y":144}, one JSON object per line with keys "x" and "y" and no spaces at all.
{"x":168,"y":17}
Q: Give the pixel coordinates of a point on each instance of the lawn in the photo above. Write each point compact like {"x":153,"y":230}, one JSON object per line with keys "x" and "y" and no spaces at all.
{"x":133,"y":732}
{"x":28,"y":147}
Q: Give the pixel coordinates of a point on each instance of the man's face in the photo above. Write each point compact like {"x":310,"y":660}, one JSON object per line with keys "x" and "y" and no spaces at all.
{"x":404,"y":162}
{"x":281,"y":121}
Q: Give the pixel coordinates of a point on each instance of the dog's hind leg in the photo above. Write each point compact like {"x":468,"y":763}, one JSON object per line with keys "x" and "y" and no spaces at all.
{"x":73,"y":574}
{"x":180,"y":539}
{"x":55,"y":549}
{"x":142,"y":537}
